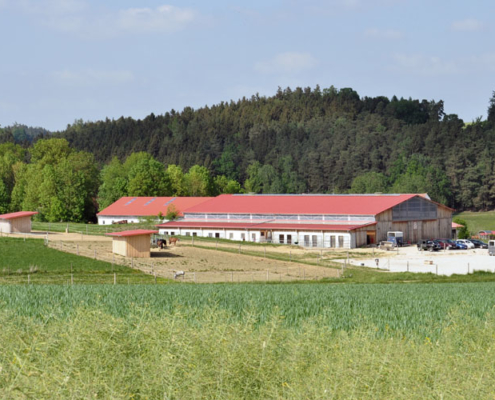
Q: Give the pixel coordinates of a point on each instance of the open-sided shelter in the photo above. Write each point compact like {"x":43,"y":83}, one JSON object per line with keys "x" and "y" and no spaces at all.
{"x":135,"y":243}
{"x":16,"y":222}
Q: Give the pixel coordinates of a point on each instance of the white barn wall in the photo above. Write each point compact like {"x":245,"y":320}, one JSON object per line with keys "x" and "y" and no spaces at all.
{"x":323,"y":239}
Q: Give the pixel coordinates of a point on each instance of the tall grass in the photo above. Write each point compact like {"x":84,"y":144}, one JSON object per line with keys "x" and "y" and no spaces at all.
{"x":95,"y":354}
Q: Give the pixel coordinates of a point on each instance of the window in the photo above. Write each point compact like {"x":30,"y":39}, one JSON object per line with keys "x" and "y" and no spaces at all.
{"x":341,"y":241}
{"x":188,"y":233}
{"x":314,"y":240}
{"x":253,"y":237}
{"x":306,"y":240}
{"x":289,"y":239}
{"x":103,"y":222}
{"x":243,"y":236}
{"x":217,"y":235}
{"x":166,"y":232}
{"x":231,"y":236}
{"x":281,"y":239}
{"x":332,"y":241}
{"x":210,"y":234}
{"x":195,"y":234}
{"x":172,"y":233}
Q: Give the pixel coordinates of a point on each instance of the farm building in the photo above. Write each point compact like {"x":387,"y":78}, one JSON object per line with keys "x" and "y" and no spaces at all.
{"x":17,"y":222}
{"x":337,"y":221}
{"x":136,"y":243}
{"x":135,"y":209}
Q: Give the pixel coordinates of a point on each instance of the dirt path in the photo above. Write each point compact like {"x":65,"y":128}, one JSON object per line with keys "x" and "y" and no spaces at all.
{"x":199,"y":264}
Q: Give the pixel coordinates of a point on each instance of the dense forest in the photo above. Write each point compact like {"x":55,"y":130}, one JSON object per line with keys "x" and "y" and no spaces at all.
{"x":302,"y":140}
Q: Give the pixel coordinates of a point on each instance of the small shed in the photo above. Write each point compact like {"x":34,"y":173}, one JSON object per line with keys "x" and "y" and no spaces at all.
{"x":17,"y":222}
{"x":135,"y":243}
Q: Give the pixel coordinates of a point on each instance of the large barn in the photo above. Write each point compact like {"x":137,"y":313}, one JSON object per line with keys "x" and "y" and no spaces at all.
{"x":16,"y":222}
{"x":337,"y":221}
{"x":135,"y":209}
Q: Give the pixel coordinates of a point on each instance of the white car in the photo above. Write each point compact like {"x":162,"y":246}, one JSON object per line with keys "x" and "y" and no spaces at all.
{"x":468,"y":243}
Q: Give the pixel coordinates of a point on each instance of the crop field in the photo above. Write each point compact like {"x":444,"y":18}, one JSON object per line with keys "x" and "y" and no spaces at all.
{"x":247,"y":341}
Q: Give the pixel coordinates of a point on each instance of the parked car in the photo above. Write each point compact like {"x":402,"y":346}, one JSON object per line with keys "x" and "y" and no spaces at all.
{"x":461,"y":245}
{"x":468,"y":243}
{"x":444,"y":244}
{"x":453,"y":243}
{"x":429,"y":245}
{"x":479,"y":244}
{"x":491,"y":247}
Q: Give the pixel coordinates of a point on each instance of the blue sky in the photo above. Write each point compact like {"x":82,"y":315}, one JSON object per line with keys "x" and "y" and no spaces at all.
{"x":62,"y":60}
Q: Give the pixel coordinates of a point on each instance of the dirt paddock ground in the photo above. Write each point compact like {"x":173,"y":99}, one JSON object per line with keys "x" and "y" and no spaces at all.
{"x":202,"y":265}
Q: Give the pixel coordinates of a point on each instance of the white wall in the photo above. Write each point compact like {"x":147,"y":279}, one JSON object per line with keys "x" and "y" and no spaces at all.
{"x":107,"y":220}
{"x":5,"y":226}
{"x":322,"y":239}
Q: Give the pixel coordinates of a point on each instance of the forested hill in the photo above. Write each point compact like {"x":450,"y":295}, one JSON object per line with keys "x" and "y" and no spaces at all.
{"x":312,"y":140}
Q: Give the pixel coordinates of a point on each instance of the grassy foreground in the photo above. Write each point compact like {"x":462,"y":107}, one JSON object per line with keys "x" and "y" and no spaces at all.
{"x":248,"y":341}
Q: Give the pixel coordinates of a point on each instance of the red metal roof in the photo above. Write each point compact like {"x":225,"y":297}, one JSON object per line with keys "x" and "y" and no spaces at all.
{"x":150,"y":206}
{"x":261,"y":226}
{"x":301,"y":204}
{"x":136,"y":232}
{"x":18,"y":214}
{"x":456,"y":225}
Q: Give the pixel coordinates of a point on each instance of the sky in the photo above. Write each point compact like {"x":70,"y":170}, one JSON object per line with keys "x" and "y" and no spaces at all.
{"x":64,"y":60}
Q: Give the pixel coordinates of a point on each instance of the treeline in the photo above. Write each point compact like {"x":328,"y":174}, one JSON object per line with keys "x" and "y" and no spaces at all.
{"x":302,"y":140}
{"x":64,"y":184}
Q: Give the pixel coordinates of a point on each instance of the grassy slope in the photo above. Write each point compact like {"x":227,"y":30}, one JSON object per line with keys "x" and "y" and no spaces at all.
{"x":44,"y":265}
{"x":478,"y":221}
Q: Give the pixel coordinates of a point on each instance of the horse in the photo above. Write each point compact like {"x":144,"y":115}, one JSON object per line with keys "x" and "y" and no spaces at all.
{"x":173,"y":240}
{"x":161,"y":243}
{"x":178,"y":273}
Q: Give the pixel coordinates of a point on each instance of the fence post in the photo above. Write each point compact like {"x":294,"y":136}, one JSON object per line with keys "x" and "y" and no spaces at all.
{"x":304,"y":273}
{"x":267,"y":276}
{"x":86,"y":229}
{"x":468,"y":268}
{"x":193,"y":241}
{"x":155,"y":278}
{"x":114,"y":278}
{"x":71,"y":279}
{"x":194,"y":277}
{"x":216,"y":244}
{"x":239,"y":249}
{"x":29,"y":279}
{"x":408,"y":266}
{"x":290,"y":255}
{"x":232,"y":277}
{"x":61,"y":245}
{"x":95,"y":254}
{"x":71,"y":268}
{"x":132,"y":262}
{"x":436,"y":268}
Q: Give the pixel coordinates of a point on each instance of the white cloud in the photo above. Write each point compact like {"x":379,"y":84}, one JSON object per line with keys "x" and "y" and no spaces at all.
{"x":468,"y":25}
{"x":288,"y":63}
{"x":76,"y":16}
{"x":383,"y":34}
{"x":162,"y":19}
{"x":92,"y":77}
{"x":424,"y":65}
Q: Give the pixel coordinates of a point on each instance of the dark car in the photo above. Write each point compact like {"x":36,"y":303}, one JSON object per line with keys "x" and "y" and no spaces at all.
{"x":478,"y":244}
{"x":453,"y":244}
{"x":445,"y":244}
{"x":429,"y":245}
